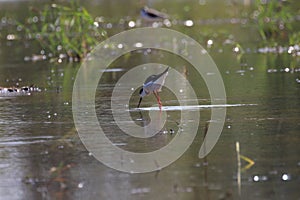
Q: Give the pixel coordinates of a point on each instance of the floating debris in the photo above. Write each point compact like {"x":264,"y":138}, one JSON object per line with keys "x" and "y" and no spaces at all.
{"x":109,"y":25}
{"x":33,"y":181}
{"x":284,"y":70}
{"x":178,"y":189}
{"x":241,"y":71}
{"x":258,"y":178}
{"x":138,"y":45}
{"x":286,"y":177}
{"x":18,"y":91}
{"x":35,"y":58}
{"x":293,"y":50}
{"x":272,"y":70}
{"x":197,"y":165}
{"x":120,"y":144}
{"x":120,"y":46}
{"x":236,"y":49}
{"x":11,"y":37}
{"x":131,"y":24}
{"x":80,"y":185}
{"x":189,"y":23}
{"x":171,"y":131}
{"x":140,"y":190}
{"x":156,"y":24}
{"x":209,"y":43}
{"x":167,"y":23}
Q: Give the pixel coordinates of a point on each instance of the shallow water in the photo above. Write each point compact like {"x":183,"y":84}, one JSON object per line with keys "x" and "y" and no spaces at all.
{"x":42,"y":157}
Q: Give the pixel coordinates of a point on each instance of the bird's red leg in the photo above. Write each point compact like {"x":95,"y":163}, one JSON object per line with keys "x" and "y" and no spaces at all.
{"x":158,"y":99}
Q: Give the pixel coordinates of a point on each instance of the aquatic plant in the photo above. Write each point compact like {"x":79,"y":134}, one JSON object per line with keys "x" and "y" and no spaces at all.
{"x":64,"y":31}
{"x":294,"y":38}
{"x":274,"y":20}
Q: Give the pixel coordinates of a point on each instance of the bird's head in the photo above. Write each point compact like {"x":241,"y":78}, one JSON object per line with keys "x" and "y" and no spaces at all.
{"x":144,"y":10}
{"x":143,"y":92}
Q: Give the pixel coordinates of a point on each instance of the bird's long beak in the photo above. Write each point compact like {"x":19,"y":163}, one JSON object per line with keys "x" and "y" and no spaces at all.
{"x":140,"y":102}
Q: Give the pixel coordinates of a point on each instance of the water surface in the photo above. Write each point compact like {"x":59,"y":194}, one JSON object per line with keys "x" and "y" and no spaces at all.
{"x":41,"y":156}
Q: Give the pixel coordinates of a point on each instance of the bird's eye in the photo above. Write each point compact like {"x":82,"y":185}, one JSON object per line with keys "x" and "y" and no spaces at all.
{"x":141,"y":91}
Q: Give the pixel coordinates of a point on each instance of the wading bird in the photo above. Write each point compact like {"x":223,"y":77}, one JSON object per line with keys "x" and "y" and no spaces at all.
{"x":150,"y":14}
{"x":153,"y":84}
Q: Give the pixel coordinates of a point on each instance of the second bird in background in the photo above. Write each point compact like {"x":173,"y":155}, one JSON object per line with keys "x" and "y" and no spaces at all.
{"x":150,"y":14}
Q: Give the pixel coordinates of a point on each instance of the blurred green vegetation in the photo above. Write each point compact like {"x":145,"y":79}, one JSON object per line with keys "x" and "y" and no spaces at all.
{"x":69,"y":31}
{"x":274,"y":20}
{"x":63,"y":30}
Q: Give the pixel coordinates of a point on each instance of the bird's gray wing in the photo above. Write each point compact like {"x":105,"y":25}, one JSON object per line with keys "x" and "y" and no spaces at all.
{"x":156,"y":13}
{"x":155,"y":82}
{"x":150,"y":80}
